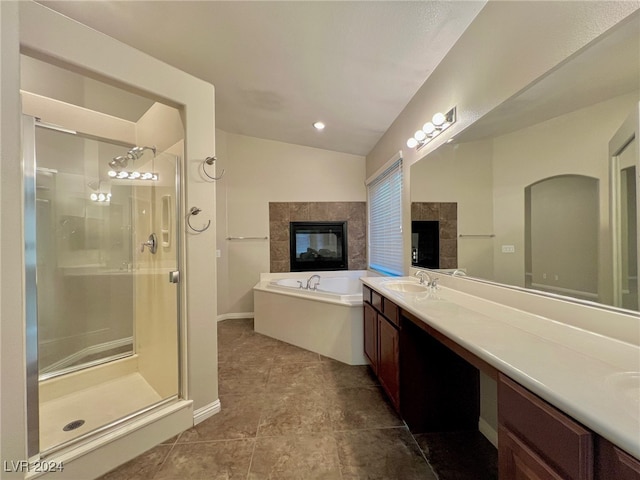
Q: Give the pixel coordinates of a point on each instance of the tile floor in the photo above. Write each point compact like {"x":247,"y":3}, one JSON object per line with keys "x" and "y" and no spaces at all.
{"x":288,"y":413}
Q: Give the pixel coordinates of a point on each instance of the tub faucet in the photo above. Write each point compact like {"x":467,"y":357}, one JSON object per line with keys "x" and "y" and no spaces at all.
{"x":421,"y":274}
{"x":314,"y":286}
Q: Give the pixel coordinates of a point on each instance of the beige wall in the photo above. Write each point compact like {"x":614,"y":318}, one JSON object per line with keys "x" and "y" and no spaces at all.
{"x":260,"y":171}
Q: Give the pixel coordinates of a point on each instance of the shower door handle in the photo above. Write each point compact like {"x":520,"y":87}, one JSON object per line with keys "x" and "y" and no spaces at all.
{"x":174,"y":277}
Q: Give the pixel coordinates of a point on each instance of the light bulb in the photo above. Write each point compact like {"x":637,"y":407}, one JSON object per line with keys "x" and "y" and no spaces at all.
{"x":428,"y":128}
{"x":94,"y":197}
{"x":438,"y":119}
{"x":412,"y":143}
{"x":101,"y":197}
{"x":319,"y":125}
{"x":420,"y":135}
{"x":112,"y":173}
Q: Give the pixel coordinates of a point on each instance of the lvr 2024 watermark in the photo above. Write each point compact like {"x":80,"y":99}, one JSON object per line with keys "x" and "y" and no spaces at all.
{"x":23,"y":466}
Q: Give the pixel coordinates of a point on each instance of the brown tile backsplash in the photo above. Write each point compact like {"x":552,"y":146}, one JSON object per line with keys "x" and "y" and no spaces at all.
{"x":447,"y":214}
{"x":281,"y":213}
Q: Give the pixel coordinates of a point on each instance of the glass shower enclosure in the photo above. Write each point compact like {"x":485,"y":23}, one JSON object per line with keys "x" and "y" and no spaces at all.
{"x":102,"y":261}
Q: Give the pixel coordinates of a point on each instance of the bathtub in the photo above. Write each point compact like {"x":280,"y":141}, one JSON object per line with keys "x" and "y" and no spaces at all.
{"x":327,"y":321}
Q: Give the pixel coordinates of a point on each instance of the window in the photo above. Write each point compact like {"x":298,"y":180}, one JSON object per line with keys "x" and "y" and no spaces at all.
{"x":385,"y":220}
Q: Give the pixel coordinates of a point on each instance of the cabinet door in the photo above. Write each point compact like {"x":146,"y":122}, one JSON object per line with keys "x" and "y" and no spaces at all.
{"x":371,"y":336}
{"x":556,"y":438}
{"x":613,"y":463}
{"x":389,"y":360}
{"x":518,"y":462}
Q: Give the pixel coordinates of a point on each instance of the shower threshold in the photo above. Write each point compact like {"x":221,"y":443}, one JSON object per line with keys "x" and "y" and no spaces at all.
{"x":89,"y":409}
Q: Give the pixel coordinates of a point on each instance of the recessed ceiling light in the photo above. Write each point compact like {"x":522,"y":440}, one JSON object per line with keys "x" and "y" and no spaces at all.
{"x":318,"y":125}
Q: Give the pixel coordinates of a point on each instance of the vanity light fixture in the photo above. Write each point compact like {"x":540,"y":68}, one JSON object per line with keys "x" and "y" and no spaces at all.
{"x":123,"y":175}
{"x":438,"y":124}
{"x":100,"y":197}
{"x":319,"y":125}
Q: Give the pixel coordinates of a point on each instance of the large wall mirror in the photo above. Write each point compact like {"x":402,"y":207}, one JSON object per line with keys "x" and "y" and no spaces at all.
{"x":541,"y":192}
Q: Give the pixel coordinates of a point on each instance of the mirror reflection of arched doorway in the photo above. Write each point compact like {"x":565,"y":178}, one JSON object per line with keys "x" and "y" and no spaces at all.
{"x":561,"y":236}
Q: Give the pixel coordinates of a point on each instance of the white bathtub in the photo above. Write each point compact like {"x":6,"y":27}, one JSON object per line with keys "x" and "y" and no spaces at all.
{"x":327,"y":321}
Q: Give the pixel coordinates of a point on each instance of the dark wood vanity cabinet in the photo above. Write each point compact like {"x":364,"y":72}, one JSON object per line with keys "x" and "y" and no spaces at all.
{"x":382,"y":342}
{"x":538,"y":442}
{"x":434,"y":384}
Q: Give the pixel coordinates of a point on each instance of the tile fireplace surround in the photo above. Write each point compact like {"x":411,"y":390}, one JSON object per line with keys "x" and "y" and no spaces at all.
{"x":281,"y":213}
{"x":447,"y":215}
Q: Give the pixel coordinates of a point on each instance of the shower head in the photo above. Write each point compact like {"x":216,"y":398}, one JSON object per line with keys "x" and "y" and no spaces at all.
{"x":136,"y":152}
{"x":121,"y":161}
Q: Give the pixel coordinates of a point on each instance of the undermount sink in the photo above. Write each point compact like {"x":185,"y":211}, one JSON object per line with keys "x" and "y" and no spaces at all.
{"x":406,"y":286}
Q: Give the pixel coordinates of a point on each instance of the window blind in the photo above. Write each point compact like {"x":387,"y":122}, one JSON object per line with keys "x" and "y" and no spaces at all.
{"x":385,"y":221}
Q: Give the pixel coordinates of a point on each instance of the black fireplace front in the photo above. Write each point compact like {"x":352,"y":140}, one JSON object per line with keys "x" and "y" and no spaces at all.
{"x":318,"y":246}
{"x":425,"y":243}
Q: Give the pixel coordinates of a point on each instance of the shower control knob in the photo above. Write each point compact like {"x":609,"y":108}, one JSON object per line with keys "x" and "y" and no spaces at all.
{"x":151,"y":243}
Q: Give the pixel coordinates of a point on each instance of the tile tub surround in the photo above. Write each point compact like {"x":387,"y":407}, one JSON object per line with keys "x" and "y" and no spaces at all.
{"x":281,"y":213}
{"x":289,"y":413}
{"x":447,"y":214}
{"x":573,"y":369}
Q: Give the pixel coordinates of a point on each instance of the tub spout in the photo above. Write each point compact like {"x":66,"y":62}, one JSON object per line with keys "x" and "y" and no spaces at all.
{"x":313,"y":286}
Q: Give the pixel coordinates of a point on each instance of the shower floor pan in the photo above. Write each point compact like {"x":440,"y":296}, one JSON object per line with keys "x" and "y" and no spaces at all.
{"x":97,"y":406}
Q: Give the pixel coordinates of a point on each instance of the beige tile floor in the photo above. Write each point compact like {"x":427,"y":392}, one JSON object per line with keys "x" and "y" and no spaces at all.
{"x":287,"y":414}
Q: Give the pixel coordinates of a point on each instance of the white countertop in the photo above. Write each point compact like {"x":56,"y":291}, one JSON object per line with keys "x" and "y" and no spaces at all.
{"x":593,"y":378}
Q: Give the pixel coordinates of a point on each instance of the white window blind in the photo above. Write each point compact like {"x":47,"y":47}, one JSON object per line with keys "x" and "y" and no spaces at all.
{"x":385,"y":221}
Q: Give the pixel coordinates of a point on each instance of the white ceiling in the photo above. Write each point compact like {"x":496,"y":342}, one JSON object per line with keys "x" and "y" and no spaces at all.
{"x":279,"y":66}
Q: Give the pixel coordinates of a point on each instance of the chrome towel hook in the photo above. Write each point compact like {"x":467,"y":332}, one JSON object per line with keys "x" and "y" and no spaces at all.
{"x":196,"y":211}
{"x":210,"y":161}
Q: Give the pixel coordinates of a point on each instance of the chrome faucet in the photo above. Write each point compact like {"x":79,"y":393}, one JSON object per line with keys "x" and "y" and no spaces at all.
{"x":421,"y":274}
{"x":458,"y":272}
{"x":315,"y":285}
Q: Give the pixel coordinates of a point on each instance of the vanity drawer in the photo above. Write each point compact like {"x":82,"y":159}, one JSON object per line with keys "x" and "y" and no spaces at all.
{"x":366,"y":294}
{"x":562,"y":443}
{"x":376,"y":300}
{"x":391,"y":311}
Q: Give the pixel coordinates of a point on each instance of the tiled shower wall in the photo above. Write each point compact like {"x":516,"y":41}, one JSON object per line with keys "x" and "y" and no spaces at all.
{"x":281,"y":213}
{"x":447,"y":215}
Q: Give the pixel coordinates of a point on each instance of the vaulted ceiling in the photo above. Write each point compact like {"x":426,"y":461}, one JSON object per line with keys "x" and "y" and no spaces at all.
{"x":278,"y":67}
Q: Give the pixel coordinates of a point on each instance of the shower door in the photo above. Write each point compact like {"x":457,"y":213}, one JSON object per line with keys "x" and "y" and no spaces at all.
{"x":107,"y":313}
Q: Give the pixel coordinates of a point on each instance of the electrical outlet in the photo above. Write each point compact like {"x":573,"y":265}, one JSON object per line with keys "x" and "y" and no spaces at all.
{"x":508,"y":249}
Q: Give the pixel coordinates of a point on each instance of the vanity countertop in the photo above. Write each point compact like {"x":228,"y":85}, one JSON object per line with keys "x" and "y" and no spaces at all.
{"x":591,"y":377}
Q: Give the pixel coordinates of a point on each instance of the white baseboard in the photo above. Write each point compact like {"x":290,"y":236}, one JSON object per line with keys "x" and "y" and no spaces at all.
{"x":488,"y":431}
{"x":201,"y":414}
{"x":229,"y":316}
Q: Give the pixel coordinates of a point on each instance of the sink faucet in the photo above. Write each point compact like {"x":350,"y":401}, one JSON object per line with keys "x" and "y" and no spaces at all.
{"x":421,"y":274}
{"x":458,"y":272}
{"x":314,"y":286}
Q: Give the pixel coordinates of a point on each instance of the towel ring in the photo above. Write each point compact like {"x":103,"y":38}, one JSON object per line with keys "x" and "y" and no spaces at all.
{"x":210,"y":161}
{"x":196,"y":211}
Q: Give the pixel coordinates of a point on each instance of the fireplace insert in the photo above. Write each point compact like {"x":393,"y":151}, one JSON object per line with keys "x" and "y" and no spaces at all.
{"x":318,"y":246}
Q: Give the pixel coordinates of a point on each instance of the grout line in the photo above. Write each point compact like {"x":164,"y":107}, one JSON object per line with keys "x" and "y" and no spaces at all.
{"x":426,"y":460}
